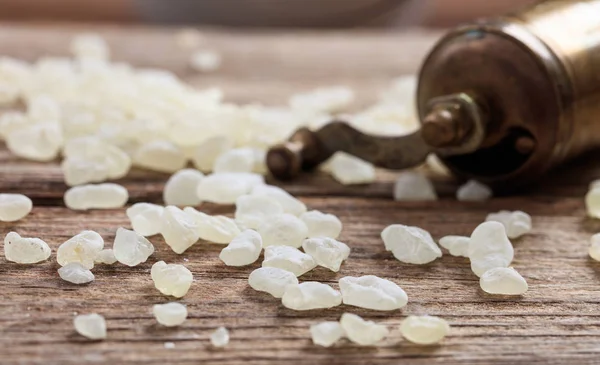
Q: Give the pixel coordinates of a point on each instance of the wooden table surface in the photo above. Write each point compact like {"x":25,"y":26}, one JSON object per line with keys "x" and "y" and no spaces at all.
{"x":556,"y":321}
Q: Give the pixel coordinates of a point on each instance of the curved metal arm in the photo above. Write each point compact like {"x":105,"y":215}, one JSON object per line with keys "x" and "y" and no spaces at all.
{"x":307,"y":149}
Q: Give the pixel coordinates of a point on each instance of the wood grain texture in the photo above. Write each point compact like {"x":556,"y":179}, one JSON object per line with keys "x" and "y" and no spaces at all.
{"x":557,"y":321}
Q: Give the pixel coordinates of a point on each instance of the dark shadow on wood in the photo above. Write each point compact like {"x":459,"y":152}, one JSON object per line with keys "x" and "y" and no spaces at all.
{"x":569,"y":179}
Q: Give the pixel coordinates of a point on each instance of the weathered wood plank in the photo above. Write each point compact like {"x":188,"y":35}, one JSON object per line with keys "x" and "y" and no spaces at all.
{"x":558,"y":319}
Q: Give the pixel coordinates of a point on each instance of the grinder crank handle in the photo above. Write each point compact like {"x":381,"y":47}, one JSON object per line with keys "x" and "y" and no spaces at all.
{"x":307,"y":149}
{"x":453,"y":124}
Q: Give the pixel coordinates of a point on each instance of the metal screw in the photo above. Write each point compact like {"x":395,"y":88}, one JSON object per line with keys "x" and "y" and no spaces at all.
{"x":444,"y":126}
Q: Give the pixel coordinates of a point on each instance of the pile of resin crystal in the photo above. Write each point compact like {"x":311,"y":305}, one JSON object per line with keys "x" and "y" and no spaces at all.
{"x":488,"y":249}
{"x":104,"y":117}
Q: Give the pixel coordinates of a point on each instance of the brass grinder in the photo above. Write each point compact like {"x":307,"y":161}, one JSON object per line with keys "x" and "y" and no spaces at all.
{"x":501,"y":101}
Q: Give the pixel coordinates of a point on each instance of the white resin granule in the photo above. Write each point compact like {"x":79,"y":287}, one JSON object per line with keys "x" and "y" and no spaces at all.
{"x":350,"y":170}
{"x":516,"y":223}
{"x":411,"y":245}
{"x":401,"y":89}
{"x":327,"y":99}
{"x":43,"y":108}
{"x":25,"y":250}
{"x":361,"y":332}
{"x":88,"y":160}
{"x":84,"y":147}
{"x":79,"y":123}
{"x":271,"y":280}
{"x":220,"y":337}
{"x":372,"y":292}
{"x":243,"y":250}
{"x":205,"y":60}
{"x":594,"y":249}
{"x":326,"y":333}
{"x":413,"y":186}
{"x":14,"y":207}
{"x":456,"y":245}
{"x":169,"y":345}
{"x":111,"y":158}
{"x":184,"y":134}
{"x":90,"y":46}
{"x":78,"y":171}
{"x":106,"y":256}
{"x":117,"y":161}
{"x":227,"y":187}
{"x":38,"y":142}
{"x":327,"y":252}
{"x":92,"y":326}
{"x":214,"y":228}
{"x":235,"y":160}
{"x":251,"y":211}
{"x":435,"y":165}
{"x":11,"y":121}
{"x":82,"y":248}
{"x":130,"y":248}
{"x":160,"y":156}
{"x":171,"y":279}
{"x":76,"y":273}
{"x":283,"y":230}
{"x":179,"y":229}
{"x":289,"y":204}
{"x":9,"y":94}
{"x":424,"y":330}
{"x":100,"y":196}
{"x":489,"y":247}
{"x":321,"y":224}
{"x":145,"y":218}
{"x":181,"y":187}
{"x":260,"y":161}
{"x":310,"y":295}
{"x":288,"y":258}
{"x":14,"y":70}
{"x":386,"y":119}
{"x":592,"y":201}
{"x":170,"y":314}
{"x":504,"y":281}
{"x":205,"y":154}
{"x":473,"y":191}
{"x":189,"y":38}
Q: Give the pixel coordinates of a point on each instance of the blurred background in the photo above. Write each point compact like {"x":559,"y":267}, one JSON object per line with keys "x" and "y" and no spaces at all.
{"x":391,"y":14}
